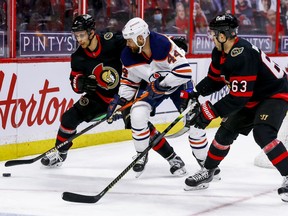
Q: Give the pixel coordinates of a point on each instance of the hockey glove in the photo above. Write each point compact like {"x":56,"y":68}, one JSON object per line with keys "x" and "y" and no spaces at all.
{"x":155,"y":90}
{"x":115,"y":104}
{"x":180,"y":42}
{"x":86,"y":84}
{"x":204,"y":114}
{"x":188,"y":95}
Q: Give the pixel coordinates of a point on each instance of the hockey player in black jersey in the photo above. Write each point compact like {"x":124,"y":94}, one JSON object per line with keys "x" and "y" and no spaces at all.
{"x":95,"y":73}
{"x":257,"y":100}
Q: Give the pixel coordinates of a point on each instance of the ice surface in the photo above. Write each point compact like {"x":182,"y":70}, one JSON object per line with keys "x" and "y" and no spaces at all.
{"x":244,"y":189}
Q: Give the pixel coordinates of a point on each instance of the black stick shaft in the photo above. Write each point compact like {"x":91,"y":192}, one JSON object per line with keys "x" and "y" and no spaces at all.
{"x":32,"y":160}
{"x":74,"y":197}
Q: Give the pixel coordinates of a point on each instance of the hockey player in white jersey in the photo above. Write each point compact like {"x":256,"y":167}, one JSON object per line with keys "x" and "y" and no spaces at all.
{"x":153,"y":63}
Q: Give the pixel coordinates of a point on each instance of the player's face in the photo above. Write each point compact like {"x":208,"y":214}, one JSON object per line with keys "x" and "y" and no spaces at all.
{"x":82,"y":38}
{"x":131,"y":44}
{"x":217,"y":38}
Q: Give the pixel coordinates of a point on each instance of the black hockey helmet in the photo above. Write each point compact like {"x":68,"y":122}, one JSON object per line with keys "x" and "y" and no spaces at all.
{"x":83,"y":22}
{"x":226,"y":24}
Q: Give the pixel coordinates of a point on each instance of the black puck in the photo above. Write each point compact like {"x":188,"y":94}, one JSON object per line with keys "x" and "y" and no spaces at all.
{"x":6,"y":174}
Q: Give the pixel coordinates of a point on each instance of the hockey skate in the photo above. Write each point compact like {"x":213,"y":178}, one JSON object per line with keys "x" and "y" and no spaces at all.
{"x":216,"y":176}
{"x":54,"y":159}
{"x":200,"y":180}
{"x":177,"y":166}
{"x":283,"y":190}
{"x":139,"y":167}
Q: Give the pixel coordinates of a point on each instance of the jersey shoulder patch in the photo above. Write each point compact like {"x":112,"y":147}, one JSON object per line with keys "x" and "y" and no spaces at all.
{"x":108,"y":35}
{"x":236,"y":51}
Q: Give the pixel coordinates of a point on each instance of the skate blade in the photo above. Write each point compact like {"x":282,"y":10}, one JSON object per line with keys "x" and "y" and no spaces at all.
{"x":199,"y":187}
{"x":216,"y":178}
{"x":180,"y":172}
{"x":138,"y":174}
{"x":283,"y":193}
{"x":284,"y":197}
{"x":53,"y":166}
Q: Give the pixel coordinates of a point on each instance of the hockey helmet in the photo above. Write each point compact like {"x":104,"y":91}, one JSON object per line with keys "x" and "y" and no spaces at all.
{"x":83,"y":22}
{"x":134,"y":28}
{"x":226,"y":24}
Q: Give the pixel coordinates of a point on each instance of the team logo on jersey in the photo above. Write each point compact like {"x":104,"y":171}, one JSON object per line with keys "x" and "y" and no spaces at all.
{"x":237,"y":51}
{"x":84,"y":101}
{"x":106,"y":77}
{"x":108,"y":35}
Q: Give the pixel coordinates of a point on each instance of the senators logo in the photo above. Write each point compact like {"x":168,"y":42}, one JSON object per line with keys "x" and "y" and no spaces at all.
{"x":108,"y":35}
{"x":237,"y":51}
{"x":106,"y":77}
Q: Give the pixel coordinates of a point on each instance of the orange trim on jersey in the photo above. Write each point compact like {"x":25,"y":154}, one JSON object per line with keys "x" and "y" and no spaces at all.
{"x":126,"y":82}
{"x":280,"y":158}
{"x":184,"y":71}
{"x":197,"y":143}
{"x":142,"y":134}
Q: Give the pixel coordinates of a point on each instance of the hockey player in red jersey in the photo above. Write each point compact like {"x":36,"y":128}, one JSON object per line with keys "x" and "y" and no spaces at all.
{"x":95,"y":73}
{"x":257,"y":100}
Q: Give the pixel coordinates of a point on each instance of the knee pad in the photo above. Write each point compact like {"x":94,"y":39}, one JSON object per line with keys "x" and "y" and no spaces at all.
{"x":263,"y":134}
{"x":225,"y":137}
{"x":140,"y":113}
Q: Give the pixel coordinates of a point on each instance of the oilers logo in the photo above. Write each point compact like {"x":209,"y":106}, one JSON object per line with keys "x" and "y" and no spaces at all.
{"x":106,"y":77}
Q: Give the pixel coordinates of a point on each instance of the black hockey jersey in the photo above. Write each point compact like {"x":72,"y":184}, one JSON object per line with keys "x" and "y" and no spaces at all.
{"x":103,"y":63}
{"x":250,"y":75}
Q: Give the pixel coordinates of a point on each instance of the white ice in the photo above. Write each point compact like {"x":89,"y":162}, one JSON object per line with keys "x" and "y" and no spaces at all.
{"x":244,"y":189}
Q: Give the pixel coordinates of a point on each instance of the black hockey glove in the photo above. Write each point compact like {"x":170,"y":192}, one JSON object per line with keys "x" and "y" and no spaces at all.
{"x":181,"y":42}
{"x":204,"y":114}
{"x":86,"y":84}
{"x":115,"y":104}
{"x":155,"y":90}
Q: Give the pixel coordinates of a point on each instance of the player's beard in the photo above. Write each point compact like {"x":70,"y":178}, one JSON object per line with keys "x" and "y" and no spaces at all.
{"x":135,"y":49}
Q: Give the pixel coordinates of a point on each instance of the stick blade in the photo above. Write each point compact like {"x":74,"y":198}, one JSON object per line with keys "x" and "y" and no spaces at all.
{"x":18,"y":162}
{"x":73,"y":197}
{"x":178,"y":133}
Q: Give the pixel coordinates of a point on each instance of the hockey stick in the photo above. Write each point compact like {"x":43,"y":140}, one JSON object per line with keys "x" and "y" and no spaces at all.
{"x":101,"y":119}
{"x":74,"y":197}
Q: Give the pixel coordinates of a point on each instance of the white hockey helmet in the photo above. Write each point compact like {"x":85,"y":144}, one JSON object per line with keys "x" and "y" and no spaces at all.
{"x":134,"y":28}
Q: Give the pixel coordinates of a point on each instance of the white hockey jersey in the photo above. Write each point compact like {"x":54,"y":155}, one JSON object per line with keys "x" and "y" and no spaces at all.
{"x":167,"y":60}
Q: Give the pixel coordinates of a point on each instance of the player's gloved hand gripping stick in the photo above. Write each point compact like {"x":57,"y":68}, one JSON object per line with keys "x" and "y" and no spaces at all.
{"x":100,"y":120}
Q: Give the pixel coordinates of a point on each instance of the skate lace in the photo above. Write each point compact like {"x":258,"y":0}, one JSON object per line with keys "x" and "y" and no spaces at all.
{"x":176,"y":161}
{"x":141,"y":160}
{"x":54,"y":156}
{"x":200,"y":175}
{"x":285,"y":181}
